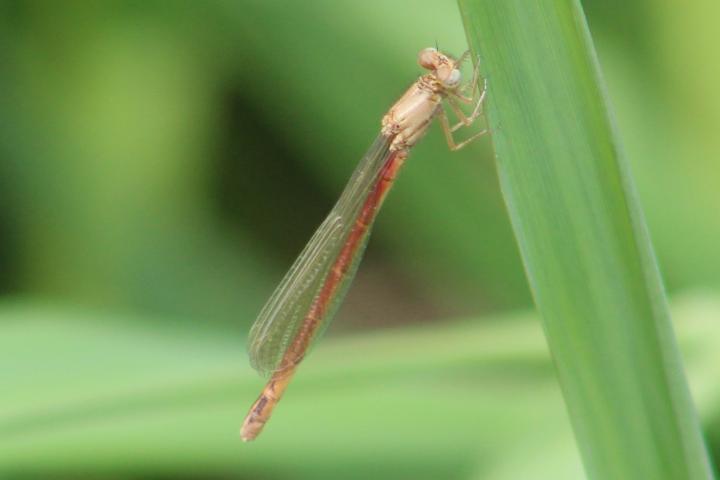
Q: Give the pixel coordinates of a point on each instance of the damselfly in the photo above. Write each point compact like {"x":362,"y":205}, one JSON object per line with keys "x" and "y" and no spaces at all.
{"x":304,"y":303}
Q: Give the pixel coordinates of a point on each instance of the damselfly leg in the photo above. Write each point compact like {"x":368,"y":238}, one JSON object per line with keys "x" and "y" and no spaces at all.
{"x":464,"y":120}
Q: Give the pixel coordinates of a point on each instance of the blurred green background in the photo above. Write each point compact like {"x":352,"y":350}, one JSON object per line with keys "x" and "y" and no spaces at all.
{"x":162,"y":163}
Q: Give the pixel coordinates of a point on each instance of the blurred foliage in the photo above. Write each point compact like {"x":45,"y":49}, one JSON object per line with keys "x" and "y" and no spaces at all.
{"x":178,"y":158}
{"x":175,"y":157}
{"x":169,"y":159}
{"x":125,"y":397}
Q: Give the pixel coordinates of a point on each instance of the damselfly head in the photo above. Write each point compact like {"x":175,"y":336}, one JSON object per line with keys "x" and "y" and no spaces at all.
{"x":452,"y":79}
{"x":444,"y":67}
{"x":428,"y":58}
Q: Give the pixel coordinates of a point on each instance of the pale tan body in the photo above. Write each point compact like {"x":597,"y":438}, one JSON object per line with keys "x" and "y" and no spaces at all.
{"x":405,"y":123}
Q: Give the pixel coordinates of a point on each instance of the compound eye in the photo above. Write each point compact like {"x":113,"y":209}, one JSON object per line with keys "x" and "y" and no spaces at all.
{"x":453,"y":79}
{"x":427,"y":58}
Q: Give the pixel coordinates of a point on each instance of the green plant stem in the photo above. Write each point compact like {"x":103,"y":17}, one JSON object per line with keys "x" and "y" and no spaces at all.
{"x":584,"y":243}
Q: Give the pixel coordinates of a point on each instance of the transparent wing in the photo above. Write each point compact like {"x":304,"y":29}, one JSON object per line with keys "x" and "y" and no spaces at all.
{"x":283,"y":314}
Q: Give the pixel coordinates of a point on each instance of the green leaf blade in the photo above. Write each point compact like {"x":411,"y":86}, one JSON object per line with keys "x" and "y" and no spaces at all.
{"x":583,"y":241}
